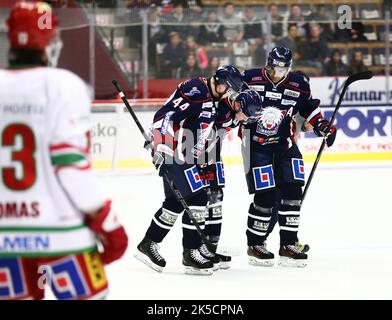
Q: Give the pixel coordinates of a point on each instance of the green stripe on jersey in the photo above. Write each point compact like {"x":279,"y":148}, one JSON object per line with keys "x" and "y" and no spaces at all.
{"x":68,"y":159}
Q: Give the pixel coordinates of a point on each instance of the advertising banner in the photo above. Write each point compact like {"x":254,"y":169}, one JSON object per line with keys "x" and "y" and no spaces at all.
{"x":364,"y":124}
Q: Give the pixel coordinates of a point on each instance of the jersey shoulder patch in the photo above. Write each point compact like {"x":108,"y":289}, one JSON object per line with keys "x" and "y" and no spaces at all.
{"x":195,"y":90}
{"x":299,"y":81}
{"x":253,"y":75}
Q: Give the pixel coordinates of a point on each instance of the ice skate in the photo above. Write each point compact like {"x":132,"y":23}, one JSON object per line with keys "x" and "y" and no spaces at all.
{"x":302,"y":247}
{"x":260,"y":256}
{"x":291,"y":256}
{"x":220,"y":261}
{"x":147,"y":252}
{"x":208,"y":255}
{"x":195,"y":263}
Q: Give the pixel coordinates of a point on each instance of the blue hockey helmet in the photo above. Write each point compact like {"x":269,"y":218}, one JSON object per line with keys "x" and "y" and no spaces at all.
{"x":251,"y":104}
{"x":280,"y":57}
{"x":231,"y":77}
{"x":279,"y":61}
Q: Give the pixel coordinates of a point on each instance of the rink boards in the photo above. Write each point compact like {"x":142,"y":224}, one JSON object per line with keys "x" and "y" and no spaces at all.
{"x":364,"y":124}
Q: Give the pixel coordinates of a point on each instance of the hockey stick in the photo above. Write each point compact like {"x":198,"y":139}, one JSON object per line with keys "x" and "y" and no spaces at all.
{"x":355,"y":77}
{"x":166,"y":175}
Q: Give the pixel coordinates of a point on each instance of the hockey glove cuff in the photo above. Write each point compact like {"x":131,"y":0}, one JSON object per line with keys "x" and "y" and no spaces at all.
{"x":110,"y":232}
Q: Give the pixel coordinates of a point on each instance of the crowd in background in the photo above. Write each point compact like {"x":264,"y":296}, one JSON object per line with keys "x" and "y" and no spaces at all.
{"x":182,"y":36}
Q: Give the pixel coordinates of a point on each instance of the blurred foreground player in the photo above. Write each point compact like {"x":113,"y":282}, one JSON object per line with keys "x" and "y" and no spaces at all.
{"x":273,"y":162}
{"x":180,"y":131}
{"x":52,"y":213}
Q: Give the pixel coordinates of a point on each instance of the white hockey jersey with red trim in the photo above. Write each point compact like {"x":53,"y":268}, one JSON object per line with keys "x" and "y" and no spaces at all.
{"x":46,"y":184}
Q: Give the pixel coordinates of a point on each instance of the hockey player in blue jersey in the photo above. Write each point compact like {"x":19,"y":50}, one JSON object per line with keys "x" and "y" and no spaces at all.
{"x":227,"y":118}
{"x":272,"y":159}
{"x":180,"y":131}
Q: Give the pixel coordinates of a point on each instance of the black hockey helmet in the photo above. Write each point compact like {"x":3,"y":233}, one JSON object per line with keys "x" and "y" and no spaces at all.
{"x":251,"y":104}
{"x":231,"y":77}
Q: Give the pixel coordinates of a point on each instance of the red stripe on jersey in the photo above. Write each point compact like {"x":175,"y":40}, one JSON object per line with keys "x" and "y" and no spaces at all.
{"x":81,"y":168}
{"x":67,"y":146}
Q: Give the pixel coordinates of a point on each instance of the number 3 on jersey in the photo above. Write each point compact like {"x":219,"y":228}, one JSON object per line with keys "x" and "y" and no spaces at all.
{"x":24,"y":155}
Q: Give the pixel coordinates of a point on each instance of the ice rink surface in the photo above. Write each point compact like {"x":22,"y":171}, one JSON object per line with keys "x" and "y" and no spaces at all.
{"x":346,"y":220}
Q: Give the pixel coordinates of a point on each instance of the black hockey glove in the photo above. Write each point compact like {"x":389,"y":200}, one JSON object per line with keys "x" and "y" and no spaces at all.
{"x":321,"y":130}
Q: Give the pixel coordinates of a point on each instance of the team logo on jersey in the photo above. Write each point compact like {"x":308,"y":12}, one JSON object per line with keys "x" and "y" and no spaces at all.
{"x":12,"y":284}
{"x":286,"y":102}
{"x":264,"y":177}
{"x":273,"y":95}
{"x":68,"y":281}
{"x":291,"y":93}
{"x":194,"y":180}
{"x":257,"y":87}
{"x":298,"y":169}
{"x":269,"y":122}
{"x":294,"y":84}
{"x":220,"y":174}
{"x":193,"y":91}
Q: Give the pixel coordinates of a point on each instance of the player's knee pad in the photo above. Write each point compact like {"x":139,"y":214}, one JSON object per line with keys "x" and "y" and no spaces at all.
{"x":173,"y":204}
{"x":214,"y":207}
{"x":198,"y":206}
{"x":291,"y":195}
{"x":265,"y":199}
{"x":168,"y":214}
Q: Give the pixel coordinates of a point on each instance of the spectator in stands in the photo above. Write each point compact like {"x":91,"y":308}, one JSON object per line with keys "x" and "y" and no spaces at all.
{"x":335,"y":65}
{"x":260,"y":55}
{"x":277,"y":22}
{"x":177,"y":21}
{"x":198,"y":51}
{"x":213,"y":64}
{"x":211,"y":31}
{"x":193,"y":10}
{"x":356,"y":33}
{"x":195,"y":6}
{"x":173,"y":55}
{"x":189,"y":69}
{"x":156,"y":34}
{"x":356,"y":64}
{"x":298,"y":18}
{"x":291,"y":41}
{"x":233,"y":29}
{"x":253,"y":31}
{"x":315,"y":49}
{"x":324,"y":18}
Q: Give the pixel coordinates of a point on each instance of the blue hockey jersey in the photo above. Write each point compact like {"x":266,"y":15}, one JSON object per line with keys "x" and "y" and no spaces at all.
{"x":183,"y":124}
{"x":282,"y":101}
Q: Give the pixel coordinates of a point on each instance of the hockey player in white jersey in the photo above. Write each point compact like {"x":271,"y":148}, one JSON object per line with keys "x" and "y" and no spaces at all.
{"x":52,"y":212}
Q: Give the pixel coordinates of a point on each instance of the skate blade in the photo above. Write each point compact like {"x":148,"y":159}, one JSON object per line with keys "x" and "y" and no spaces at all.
{"x":143,"y":258}
{"x":229,"y":251}
{"x":198,"y":272}
{"x":224,"y":265}
{"x":253,"y":261}
{"x":216,"y":267}
{"x":292,"y":263}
